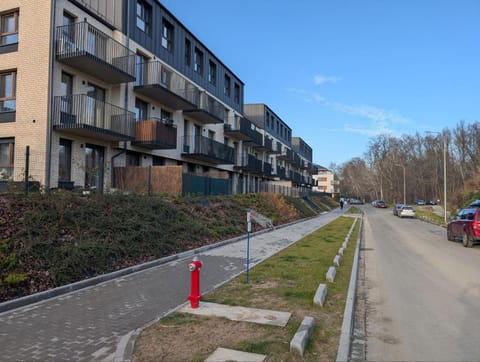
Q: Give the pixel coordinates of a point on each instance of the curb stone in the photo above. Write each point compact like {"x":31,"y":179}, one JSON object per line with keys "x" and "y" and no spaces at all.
{"x":300,"y":339}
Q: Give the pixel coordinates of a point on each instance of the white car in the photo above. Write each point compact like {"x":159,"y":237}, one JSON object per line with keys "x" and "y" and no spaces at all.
{"x":406,"y":211}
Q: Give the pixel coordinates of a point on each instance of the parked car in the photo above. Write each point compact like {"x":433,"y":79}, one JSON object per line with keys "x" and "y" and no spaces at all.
{"x":355,"y":202}
{"x":406,"y":211}
{"x":396,"y":208}
{"x":381,"y":204}
{"x":432,"y":202}
{"x":465,"y":227}
{"x":419,"y":202}
{"x":475,"y":203}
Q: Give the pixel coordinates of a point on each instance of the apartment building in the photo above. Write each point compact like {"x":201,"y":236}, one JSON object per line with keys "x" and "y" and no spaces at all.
{"x":325,"y":181}
{"x":291,"y":157}
{"x":88,"y":87}
{"x":305,"y":166}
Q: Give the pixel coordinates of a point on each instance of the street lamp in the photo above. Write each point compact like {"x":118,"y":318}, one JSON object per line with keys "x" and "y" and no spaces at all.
{"x":444,"y":173}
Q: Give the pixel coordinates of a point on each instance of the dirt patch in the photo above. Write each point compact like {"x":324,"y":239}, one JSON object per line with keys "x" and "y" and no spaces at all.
{"x":169,"y":341}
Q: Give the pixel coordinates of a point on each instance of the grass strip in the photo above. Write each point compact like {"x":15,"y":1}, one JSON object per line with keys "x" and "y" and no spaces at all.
{"x":285,"y":282}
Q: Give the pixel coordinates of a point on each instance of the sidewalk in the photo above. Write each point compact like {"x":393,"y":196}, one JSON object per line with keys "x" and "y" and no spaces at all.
{"x":93,"y":323}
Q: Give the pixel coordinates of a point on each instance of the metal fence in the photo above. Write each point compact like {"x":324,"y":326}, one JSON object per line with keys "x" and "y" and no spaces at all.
{"x":202,"y":185}
{"x":24,"y":175}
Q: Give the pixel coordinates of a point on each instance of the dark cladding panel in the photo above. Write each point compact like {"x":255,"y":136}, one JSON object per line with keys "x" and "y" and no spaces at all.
{"x":175,"y":57}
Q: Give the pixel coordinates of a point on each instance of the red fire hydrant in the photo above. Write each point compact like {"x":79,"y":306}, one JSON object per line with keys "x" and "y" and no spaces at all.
{"x":194,"y":267}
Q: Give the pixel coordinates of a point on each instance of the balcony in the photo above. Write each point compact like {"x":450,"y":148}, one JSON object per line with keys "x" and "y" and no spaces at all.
{"x":86,"y":48}
{"x":286,"y":155}
{"x":267,"y":169}
{"x":305,"y":165}
{"x":159,"y":83}
{"x":277,"y":148}
{"x":296,"y":177}
{"x":205,"y":149}
{"x":86,"y":116}
{"x":242,"y":129}
{"x":281,"y":173}
{"x":265,"y":146}
{"x":155,"y":134}
{"x":297,"y":161}
{"x":209,"y":110}
{"x":249,"y":164}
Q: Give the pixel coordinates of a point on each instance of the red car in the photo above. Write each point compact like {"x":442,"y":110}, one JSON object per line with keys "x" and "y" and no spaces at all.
{"x":380,"y":203}
{"x":465,"y":227}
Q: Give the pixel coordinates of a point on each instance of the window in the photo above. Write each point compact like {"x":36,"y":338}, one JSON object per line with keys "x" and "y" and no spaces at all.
{"x":8,"y":82}
{"x":144,"y":17}
{"x":198,"y":61}
{"x":166,"y":116}
{"x":94,"y":167}
{"x":141,"y":69}
{"x":212,"y":73}
{"x":64,"y":160}
{"x":188,"y":52}
{"x":236,"y":93}
{"x":141,"y":109}
{"x":7,"y":146}
{"x":167,"y":35}
{"x":226,"y":90}
{"x":66,"y":87}
{"x":68,"y":29}
{"x":132,"y":158}
{"x":9,"y":28}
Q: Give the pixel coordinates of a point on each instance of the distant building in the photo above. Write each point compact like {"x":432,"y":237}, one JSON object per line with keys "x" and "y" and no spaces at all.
{"x":325,"y":181}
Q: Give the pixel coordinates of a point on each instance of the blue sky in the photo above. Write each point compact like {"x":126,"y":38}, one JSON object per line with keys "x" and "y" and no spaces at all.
{"x":339,"y":72}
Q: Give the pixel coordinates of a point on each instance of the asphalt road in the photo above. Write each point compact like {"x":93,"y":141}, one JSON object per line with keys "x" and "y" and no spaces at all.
{"x":94,"y":323}
{"x":420,"y":293}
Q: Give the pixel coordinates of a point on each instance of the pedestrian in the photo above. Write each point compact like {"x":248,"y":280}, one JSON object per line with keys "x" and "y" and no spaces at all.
{"x":341,"y":204}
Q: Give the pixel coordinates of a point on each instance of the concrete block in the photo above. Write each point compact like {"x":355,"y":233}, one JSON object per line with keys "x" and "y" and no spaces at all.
{"x":341,"y":251}
{"x":300,"y":339}
{"x":331,"y":274}
{"x":320,"y":295}
{"x":337,"y":260}
{"x":345,"y":244}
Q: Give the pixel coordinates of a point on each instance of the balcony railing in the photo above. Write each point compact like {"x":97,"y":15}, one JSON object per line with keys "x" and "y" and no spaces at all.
{"x":159,"y":83}
{"x":276,"y":147}
{"x":208,"y":150}
{"x":83,"y":115}
{"x":209,"y":110}
{"x":281,"y":173}
{"x":242,"y":129}
{"x":155,"y":133}
{"x":103,"y":10}
{"x":296,"y":177}
{"x":305,"y":165}
{"x":286,"y":155}
{"x":249,"y":163}
{"x":267,"y":169}
{"x":297,"y":161}
{"x":86,"y":48}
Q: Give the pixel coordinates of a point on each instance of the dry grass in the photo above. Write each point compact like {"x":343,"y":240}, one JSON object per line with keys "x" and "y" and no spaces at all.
{"x":285,"y":282}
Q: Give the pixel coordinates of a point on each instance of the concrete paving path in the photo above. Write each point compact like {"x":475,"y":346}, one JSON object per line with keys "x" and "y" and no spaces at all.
{"x":94,"y":323}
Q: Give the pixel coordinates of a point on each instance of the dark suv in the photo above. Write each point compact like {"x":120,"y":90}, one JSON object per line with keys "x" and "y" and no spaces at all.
{"x":465,"y":226}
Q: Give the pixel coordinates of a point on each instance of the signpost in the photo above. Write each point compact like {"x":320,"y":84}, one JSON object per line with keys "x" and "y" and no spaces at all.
{"x":249,"y":229}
